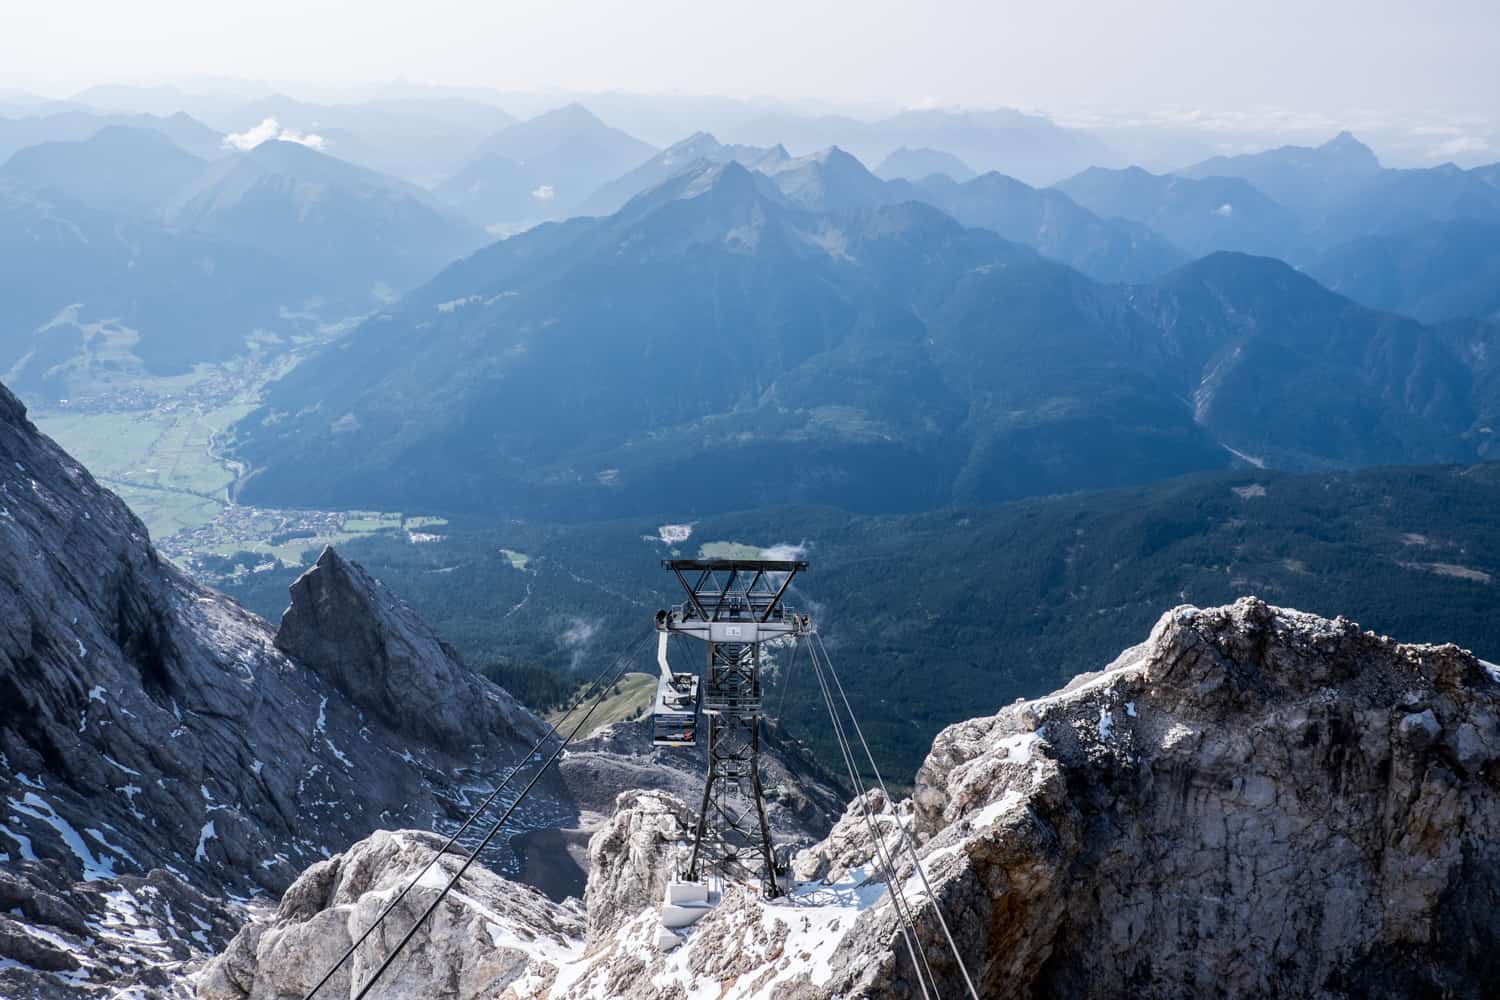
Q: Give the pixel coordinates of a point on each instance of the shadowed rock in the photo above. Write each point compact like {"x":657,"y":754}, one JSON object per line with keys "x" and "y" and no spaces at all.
{"x":343,"y":624}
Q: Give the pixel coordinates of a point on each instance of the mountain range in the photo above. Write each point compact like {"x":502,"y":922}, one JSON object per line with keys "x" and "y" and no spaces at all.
{"x":1030,"y":147}
{"x":834,"y":180}
{"x":880,"y":358}
{"x":76,"y":126}
{"x":126,"y":242}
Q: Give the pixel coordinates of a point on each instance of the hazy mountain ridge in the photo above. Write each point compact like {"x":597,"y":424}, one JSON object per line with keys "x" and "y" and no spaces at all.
{"x":351,"y":228}
{"x":83,"y":287}
{"x":917,"y":164}
{"x":724,"y":259}
{"x":835,"y":180}
{"x":184,"y":260}
{"x":542,"y":168}
{"x":76,"y":126}
{"x":888,"y":342}
{"x":1434,"y":272}
{"x":1031,"y":147}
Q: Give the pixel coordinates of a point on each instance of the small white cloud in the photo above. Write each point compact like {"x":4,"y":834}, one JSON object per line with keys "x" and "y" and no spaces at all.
{"x":1225,"y":210}
{"x":785,"y":551}
{"x":544,"y":193}
{"x":268,"y":130}
{"x":1458,"y":146}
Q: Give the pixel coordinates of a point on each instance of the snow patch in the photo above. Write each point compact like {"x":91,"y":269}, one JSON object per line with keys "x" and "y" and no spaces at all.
{"x":1106,"y":723}
{"x":337,"y":753}
{"x":22,"y":841}
{"x":1019,"y":748}
{"x":128,"y":770}
{"x":1494,"y":671}
{"x":101,"y":867}
{"x":204,"y":836}
{"x":996,"y":809}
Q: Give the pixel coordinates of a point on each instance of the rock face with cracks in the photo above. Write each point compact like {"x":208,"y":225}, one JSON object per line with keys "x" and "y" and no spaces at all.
{"x":1255,"y":802}
{"x":343,"y":624}
{"x":162,"y":750}
{"x":631,"y":858}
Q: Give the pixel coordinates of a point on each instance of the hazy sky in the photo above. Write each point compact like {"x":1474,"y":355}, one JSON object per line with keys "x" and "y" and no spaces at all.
{"x":1438,"y":55}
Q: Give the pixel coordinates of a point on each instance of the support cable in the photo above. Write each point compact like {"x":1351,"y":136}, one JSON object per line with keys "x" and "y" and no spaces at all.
{"x":905,"y":836}
{"x":552,"y":731}
{"x":898,"y":897}
{"x":495,"y":829}
{"x":786,"y":684}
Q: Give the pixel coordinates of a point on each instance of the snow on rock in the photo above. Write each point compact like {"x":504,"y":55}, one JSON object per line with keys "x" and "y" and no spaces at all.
{"x":208,"y":833}
{"x":488,"y":934}
{"x":1287,"y":767}
{"x":129,"y":690}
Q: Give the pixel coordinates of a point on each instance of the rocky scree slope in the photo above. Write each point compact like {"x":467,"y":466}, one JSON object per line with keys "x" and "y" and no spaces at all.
{"x":162,"y":750}
{"x":1253,"y":802}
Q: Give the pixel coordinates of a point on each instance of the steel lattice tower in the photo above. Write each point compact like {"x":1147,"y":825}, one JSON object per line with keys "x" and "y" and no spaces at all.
{"x":734,"y":605}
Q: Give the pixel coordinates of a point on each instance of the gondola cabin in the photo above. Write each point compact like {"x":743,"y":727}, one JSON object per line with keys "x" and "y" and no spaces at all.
{"x":674,"y":717}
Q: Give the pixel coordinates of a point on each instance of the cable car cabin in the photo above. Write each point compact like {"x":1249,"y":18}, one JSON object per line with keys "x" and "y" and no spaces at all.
{"x":674,"y":717}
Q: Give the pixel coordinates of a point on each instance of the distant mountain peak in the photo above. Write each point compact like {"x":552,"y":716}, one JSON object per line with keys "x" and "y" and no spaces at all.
{"x":1346,"y":146}
{"x":917,"y":163}
{"x":574,"y":115}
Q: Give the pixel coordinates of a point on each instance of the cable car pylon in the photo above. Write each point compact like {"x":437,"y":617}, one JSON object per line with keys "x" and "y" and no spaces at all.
{"x":734,"y":606}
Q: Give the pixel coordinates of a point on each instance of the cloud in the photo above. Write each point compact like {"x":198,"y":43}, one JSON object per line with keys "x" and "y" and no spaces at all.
{"x":1225,"y":210}
{"x":268,"y":130}
{"x":1459,"y":145}
{"x":785,"y":552}
{"x":544,"y":193}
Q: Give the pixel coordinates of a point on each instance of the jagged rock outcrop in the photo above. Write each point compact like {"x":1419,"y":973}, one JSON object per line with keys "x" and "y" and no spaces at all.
{"x":851,"y":843}
{"x":343,"y":624}
{"x":632,"y":857}
{"x":488,"y":935}
{"x":152,"y":728}
{"x":1255,"y":802}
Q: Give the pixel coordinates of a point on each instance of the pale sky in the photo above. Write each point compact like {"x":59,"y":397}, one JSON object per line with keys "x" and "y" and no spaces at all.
{"x":1316,"y":55}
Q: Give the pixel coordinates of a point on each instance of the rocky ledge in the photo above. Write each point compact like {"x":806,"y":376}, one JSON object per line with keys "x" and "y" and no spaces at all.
{"x":1254,"y":802}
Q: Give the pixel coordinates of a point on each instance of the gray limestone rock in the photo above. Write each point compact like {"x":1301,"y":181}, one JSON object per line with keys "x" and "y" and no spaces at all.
{"x":487,"y":936}
{"x":632,"y":857}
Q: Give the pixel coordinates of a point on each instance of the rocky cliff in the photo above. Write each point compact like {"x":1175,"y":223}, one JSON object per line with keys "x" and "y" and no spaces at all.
{"x":164,"y":753}
{"x":1254,"y":802}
